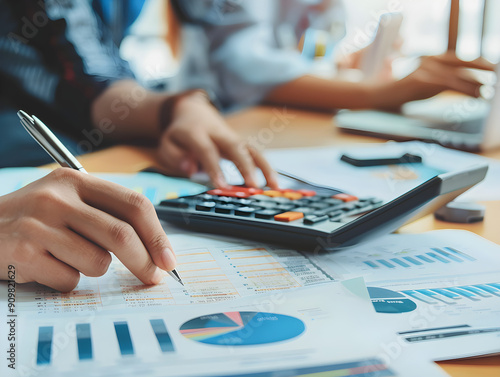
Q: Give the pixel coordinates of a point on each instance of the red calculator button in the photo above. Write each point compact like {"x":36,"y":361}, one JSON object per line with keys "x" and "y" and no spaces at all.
{"x":289,"y":216}
{"x":307,"y":192}
{"x":345,"y":197}
{"x":229,"y":192}
{"x":249,"y":190}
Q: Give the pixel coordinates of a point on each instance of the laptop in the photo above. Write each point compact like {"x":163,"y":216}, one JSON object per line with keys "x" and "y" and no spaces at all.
{"x":458,"y":122}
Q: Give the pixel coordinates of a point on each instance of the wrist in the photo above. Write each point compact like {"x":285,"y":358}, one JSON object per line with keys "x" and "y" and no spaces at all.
{"x":175,"y":104}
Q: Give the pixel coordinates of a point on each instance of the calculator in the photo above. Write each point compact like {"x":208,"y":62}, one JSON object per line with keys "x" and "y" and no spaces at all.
{"x":315,"y":220}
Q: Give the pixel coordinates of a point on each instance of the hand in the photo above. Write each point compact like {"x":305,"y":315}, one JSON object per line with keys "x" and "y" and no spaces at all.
{"x":199,"y":136}
{"x":435,"y":75}
{"x":64,"y":223}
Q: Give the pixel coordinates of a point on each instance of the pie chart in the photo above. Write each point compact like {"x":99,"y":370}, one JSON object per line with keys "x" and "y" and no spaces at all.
{"x":242,"y":328}
{"x":387,"y":301}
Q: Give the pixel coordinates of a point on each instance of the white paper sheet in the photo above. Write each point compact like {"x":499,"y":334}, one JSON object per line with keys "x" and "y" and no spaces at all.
{"x":439,"y":290}
{"x":288,"y":333}
{"x":212,"y":269}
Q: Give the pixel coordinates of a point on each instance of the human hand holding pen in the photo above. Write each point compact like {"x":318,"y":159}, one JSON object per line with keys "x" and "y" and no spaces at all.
{"x":67,"y":223}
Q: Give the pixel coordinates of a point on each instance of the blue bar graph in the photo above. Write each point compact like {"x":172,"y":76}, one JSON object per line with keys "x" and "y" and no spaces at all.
{"x":476,"y":291}
{"x":44,"y":349}
{"x":446,"y":293}
{"x":459,"y":253}
{"x":495,"y":285}
{"x":425,"y":259}
{"x":427,"y":292}
{"x":162,"y":335}
{"x":84,"y":341}
{"x":489,"y":289}
{"x":124,"y":339}
{"x":462,"y":292}
{"x":437,"y":296}
{"x":400,"y":262}
{"x":439,"y":258}
{"x":414,"y":261}
{"x":448,"y":255}
{"x":371,"y":264}
{"x":419,"y":296}
{"x":385,"y":263}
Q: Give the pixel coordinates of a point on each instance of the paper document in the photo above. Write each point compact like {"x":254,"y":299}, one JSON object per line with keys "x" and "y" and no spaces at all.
{"x":324,"y":329}
{"x":439,"y":290}
{"x":212,"y":270}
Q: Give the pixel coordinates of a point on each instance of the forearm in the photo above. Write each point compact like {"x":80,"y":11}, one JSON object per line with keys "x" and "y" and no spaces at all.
{"x":129,"y":110}
{"x":316,"y":93}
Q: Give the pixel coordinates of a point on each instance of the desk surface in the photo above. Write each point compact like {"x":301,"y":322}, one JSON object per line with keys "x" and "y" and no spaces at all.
{"x":280,"y":128}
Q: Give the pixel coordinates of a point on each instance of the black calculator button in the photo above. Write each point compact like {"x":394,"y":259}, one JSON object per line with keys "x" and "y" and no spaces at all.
{"x":224,"y":199}
{"x":267,"y":205}
{"x":205,"y":206}
{"x":319,"y":205}
{"x":328,"y":210}
{"x":176,"y":203}
{"x":267,"y":214}
{"x":377,"y":202}
{"x":302,"y":202}
{"x":285,"y":207}
{"x":304,"y":210}
{"x":262,"y":198}
{"x":311,"y":219}
{"x":225,"y":208}
{"x":245,"y":211}
{"x":205,"y":197}
{"x":336,"y":213}
{"x":349,"y":206}
{"x":333,"y":202}
{"x":282,"y":200}
{"x":243,"y":202}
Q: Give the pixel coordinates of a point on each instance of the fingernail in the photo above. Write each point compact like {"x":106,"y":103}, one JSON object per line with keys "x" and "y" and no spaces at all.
{"x":168,"y":259}
{"x":157,"y":276}
{"x":185,"y":166}
{"x":220,"y":181}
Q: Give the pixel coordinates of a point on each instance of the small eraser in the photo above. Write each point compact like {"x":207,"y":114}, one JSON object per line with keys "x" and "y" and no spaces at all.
{"x":461,"y":212}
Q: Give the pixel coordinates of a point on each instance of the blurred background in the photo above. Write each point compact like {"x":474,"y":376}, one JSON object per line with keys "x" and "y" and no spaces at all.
{"x":424,"y":32}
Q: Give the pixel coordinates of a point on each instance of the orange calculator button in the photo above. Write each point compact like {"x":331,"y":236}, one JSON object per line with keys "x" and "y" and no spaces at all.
{"x":292,"y":195}
{"x":289,"y":216}
{"x":272,"y":193}
{"x":345,"y":197}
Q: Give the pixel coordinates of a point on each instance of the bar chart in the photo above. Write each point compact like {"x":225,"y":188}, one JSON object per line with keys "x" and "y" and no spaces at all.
{"x":86,"y":335}
{"x":456,"y":294}
{"x":434,"y":255}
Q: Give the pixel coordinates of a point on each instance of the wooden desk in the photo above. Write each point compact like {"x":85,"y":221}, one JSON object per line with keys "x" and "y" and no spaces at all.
{"x":279,"y":128}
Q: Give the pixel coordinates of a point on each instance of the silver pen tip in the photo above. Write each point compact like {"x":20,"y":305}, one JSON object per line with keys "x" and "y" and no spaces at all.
{"x":23,"y":115}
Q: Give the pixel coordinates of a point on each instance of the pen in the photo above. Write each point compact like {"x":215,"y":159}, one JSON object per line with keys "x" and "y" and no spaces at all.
{"x":51,"y":144}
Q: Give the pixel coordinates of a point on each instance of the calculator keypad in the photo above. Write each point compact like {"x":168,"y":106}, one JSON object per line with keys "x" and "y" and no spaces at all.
{"x":283,"y":206}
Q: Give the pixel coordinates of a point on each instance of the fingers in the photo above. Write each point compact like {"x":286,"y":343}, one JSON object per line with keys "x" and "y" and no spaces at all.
{"x":267,"y":170}
{"x":176,"y":161}
{"x":77,"y":252}
{"x":456,"y":79}
{"x":53,"y":273}
{"x":237,"y":151}
{"x":453,"y":60}
{"x":134,"y":209}
{"x":119,"y":237}
{"x":207,"y":153}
